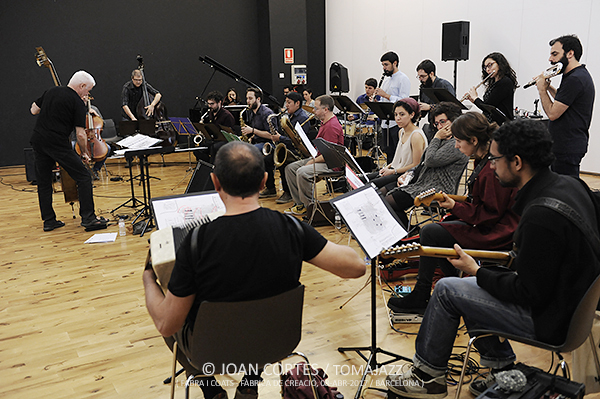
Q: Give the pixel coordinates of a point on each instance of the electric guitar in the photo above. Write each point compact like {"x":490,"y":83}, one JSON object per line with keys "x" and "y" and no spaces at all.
{"x":415,"y":250}
{"x":428,"y":196}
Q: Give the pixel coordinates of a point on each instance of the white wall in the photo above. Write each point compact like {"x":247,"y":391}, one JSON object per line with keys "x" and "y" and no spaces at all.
{"x":358,"y":32}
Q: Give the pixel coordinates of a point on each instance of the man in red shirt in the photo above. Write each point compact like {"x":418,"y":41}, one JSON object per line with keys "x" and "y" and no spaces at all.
{"x":300,"y":174}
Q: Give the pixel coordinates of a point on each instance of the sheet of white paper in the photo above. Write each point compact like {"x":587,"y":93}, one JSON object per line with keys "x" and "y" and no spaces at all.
{"x":102,"y":237}
{"x":309,"y":146}
{"x":138,"y":141}
{"x":175,"y":211}
{"x":370,"y":221}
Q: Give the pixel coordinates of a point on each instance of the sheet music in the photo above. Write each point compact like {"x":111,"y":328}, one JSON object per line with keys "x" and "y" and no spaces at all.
{"x":356,"y":165}
{"x":307,"y":143}
{"x":370,"y":221}
{"x":138,"y":141}
{"x":177,"y":210}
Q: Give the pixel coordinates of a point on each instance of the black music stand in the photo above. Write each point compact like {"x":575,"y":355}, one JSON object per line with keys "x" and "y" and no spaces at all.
{"x":438,"y":95}
{"x":134,"y":201}
{"x":142,"y":155}
{"x":385,"y":112}
{"x":494,"y":114}
{"x":379,"y":215}
{"x":184,"y":127}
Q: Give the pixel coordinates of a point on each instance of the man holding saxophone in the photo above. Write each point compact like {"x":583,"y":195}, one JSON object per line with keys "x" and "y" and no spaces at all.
{"x":570,"y":112}
{"x":296,"y":114}
{"x":257,"y":130}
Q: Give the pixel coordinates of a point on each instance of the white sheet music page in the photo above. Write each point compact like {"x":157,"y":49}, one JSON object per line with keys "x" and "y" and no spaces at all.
{"x":307,"y":143}
{"x":370,"y":220}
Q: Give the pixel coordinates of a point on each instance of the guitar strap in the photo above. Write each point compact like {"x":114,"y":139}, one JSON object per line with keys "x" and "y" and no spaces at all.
{"x":571,"y":214}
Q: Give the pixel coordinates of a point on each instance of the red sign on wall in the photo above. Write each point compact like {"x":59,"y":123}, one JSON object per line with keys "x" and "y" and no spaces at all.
{"x":288,"y":55}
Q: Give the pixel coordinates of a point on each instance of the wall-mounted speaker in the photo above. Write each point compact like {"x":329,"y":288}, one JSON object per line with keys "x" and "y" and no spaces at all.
{"x":338,"y":78}
{"x":455,"y":41}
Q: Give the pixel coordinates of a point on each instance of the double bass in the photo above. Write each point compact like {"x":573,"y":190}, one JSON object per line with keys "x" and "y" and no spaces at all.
{"x":164,"y":130}
{"x":69,"y":187}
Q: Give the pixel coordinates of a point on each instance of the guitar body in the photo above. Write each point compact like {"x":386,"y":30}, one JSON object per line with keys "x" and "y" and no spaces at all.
{"x":427,"y":197}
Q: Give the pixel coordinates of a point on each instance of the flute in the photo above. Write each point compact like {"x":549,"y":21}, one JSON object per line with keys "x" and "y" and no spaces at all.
{"x":477,"y":87}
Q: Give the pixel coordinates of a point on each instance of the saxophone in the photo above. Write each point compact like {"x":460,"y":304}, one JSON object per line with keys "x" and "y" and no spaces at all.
{"x":282,"y":155}
{"x":243,"y":137}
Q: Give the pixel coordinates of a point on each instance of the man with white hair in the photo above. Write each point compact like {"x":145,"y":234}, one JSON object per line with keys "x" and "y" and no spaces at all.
{"x":62,"y":110}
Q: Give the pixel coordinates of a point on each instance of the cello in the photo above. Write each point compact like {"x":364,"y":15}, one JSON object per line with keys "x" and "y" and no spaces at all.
{"x":97,"y":148}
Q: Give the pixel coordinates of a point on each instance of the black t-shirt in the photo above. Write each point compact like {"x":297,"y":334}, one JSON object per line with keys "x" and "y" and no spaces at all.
{"x":244,"y":257}
{"x":61,"y":111}
{"x":570,"y":132}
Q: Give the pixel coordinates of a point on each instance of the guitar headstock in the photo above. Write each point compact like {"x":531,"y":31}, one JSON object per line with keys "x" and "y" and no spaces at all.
{"x":427,"y":197}
{"x":402,"y":251}
{"x":41,"y":58}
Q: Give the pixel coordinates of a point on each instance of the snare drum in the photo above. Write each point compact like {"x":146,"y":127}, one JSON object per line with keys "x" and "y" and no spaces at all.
{"x":349,"y":129}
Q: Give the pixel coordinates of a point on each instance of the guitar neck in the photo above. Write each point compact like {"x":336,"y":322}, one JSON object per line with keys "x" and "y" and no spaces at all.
{"x":406,"y":252}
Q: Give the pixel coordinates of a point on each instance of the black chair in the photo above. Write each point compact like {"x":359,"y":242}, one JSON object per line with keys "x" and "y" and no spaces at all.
{"x":579,"y":330}
{"x":109,"y":131}
{"x":258,"y":332}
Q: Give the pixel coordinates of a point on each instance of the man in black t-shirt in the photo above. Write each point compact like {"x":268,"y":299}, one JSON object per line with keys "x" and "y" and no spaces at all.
{"x":132,"y":94}
{"x":224,"y":263}
{"x":62,"y":110}
{"x":570,"y":113}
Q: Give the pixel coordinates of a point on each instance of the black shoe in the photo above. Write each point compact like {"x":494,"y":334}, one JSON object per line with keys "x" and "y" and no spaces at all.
{"x":268,"y":192}
{"x":53,"y":224}
{"x":412,"y":303}
{"x":284,"y":199}
{"x":98,"y":223}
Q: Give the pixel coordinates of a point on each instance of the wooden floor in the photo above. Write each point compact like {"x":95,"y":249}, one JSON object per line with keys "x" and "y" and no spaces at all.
{"x":73,"y":323}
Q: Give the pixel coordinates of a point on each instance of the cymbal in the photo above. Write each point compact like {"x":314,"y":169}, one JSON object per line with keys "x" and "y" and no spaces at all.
{"x":308,"y":108}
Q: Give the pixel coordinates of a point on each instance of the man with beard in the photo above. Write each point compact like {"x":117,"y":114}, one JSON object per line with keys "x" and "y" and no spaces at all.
{"x":570,"y":112}
{"x":554,"y":266}
{"x":395,"y":86}
{"x":132,"y":94}
{"x":258,"y":130}
{"x":426,"y":75}
{"x":218,"y":115}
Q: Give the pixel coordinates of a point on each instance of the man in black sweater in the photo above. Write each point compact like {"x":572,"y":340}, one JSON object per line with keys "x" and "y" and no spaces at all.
{"x":554,"y":267}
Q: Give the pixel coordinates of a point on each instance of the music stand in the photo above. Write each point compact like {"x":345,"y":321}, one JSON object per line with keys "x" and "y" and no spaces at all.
{"x":376,"y":227}
{"x":438,"y":95}
{"x":142,"y":155}
{"x":348,"y":106}
{"x":385,"y":112}
{"x":184,"y":127}
{"x":494,"y":114}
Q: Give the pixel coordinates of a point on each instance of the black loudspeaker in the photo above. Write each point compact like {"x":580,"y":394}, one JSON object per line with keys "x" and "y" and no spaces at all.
{"x":30,"y":164}
{"x":319,"y":219}
{"x":201,"y":180}
{"x":338,"y":78}
{"x":455,"y":40}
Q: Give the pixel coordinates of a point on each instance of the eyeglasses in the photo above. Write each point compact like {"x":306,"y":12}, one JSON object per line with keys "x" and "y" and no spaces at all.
{"x":493,"y":159}
{"x":422,"y":76}
{"x":488,"y":66}
{"x":440,"y":122}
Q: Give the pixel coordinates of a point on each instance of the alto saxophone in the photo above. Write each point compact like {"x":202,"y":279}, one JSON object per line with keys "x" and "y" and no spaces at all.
{"x":243,"y":137}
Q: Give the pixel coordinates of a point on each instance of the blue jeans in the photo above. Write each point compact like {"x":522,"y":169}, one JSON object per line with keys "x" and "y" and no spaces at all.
{"x":455,"y":297}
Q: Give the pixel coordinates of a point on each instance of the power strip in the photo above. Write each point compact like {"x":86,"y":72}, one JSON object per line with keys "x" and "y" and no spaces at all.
{"x":406,"y":318}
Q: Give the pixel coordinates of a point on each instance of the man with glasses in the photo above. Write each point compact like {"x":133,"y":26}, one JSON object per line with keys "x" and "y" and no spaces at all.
{"x":132,"y":94}
{"x":428,"y":79}
{"x":300,"y":174}
{"x":554,"y":266}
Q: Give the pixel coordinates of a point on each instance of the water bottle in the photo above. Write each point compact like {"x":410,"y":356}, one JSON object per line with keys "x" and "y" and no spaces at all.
{"x":338,"y":221}
{"x":122,"y":230}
